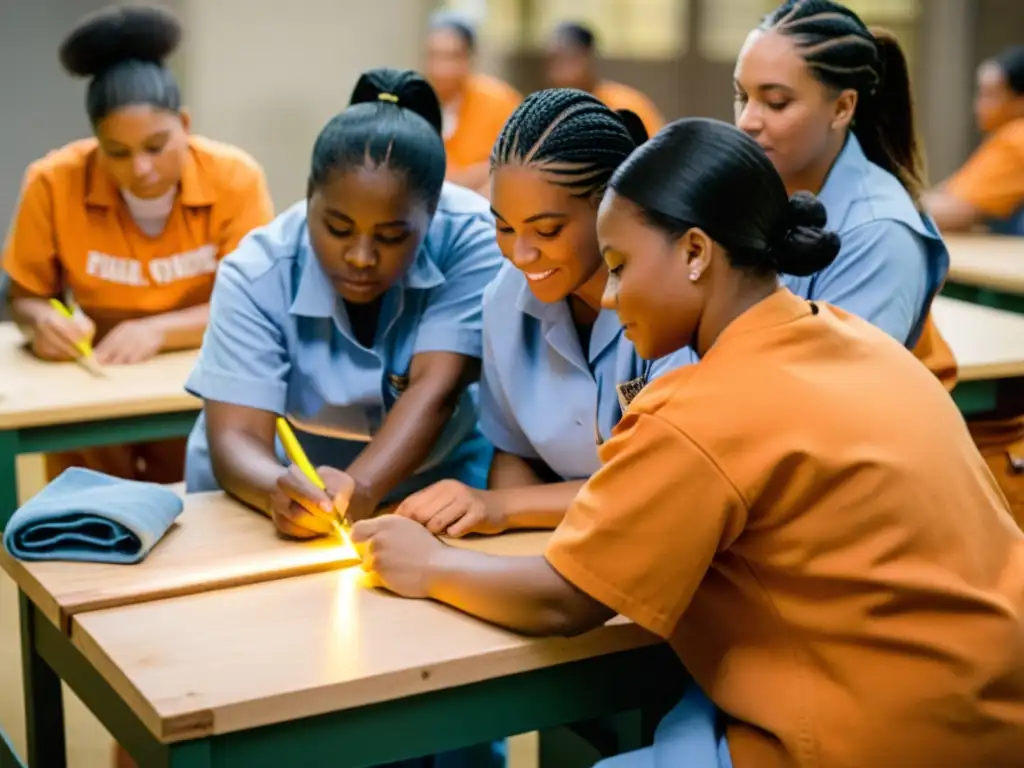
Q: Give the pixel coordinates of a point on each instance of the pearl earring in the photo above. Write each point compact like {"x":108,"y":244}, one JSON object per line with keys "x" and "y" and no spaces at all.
{"x":694,"y":276}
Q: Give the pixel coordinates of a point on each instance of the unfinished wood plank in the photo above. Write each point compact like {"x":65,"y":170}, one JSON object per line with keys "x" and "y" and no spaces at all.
{"x":293,"y":648}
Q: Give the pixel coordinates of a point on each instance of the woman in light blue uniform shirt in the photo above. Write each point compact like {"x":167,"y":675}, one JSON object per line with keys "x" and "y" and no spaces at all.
{"x":557,"y":369}
{"x":830,"y":103}
{"x":357,"y":314}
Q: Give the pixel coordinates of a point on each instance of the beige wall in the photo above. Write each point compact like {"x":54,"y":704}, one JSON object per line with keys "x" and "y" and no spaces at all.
{"x":266,"y":75}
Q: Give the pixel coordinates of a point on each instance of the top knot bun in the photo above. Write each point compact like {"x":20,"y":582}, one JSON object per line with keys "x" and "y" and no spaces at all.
{"x":635,"y":126}
{"x":118,"y":34}
{"x":805,"y":246}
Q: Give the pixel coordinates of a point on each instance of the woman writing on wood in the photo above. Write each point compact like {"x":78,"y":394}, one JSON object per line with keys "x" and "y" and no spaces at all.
{"x":841,"y":589}
{"x":356,"y":314}
{"x":131,"y":223}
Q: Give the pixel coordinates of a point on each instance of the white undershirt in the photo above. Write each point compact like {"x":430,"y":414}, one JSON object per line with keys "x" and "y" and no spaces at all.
{"x":450,"y":118}
{"x":151,"y":214}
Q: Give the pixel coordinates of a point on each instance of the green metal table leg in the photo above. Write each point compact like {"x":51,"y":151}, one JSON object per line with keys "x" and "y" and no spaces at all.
{"x":8,"y":757}
{"x":8,"y":476}
{"x":44,"y":708}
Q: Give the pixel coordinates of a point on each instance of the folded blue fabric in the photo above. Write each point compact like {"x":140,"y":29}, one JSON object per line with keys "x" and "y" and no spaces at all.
{"x":92,"y":517}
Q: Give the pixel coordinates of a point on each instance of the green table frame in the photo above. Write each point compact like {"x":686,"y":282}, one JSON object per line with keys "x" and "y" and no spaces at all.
{"x":52,"y":438}
{"x":63,"y":437}
{"x":646,"y":681}
{"x":988,"y":297}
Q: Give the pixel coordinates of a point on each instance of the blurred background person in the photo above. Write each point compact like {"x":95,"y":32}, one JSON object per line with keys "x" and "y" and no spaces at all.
{"x":572,"y":62}
{"x":989,"y":188}
{"x":474,"y":106}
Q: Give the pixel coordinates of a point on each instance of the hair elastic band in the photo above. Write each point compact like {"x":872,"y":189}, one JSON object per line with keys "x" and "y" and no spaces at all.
{"x":387,"y":97}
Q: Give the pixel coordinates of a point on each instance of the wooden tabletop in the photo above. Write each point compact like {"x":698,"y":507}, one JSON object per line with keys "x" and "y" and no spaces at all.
{"x":987,"y":343}
{"x":987,"y":261}
{"x":216,"y":543}
{"x":242,"y":658}
{"x":35,"y":393}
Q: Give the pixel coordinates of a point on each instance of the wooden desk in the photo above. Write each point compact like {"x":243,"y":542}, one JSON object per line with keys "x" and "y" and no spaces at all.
{"x":216,"y":543}
{"x":60,"y":406}
{"x":319,"y":670}
{"x":987,"y":269}
{"x":988,"y":345}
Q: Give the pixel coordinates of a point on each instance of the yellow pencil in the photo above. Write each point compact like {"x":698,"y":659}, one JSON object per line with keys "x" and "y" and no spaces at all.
{"x":293,"y":448}
{"x":84,"y":347}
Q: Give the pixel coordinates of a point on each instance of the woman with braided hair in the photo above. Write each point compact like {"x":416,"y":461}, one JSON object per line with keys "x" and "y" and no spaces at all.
{"x":553,"y":360}
{"x":829,"y":100}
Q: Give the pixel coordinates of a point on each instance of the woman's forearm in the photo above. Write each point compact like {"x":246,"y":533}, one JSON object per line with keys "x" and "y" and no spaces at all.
{"x":27,"y":311}
{"x":522,"y":593}
{"x":404,"y":440}
{"x":241,"y":445}
{"x":182,"y":328}
{"x":524,"y":499}
{"x":536,"y":506}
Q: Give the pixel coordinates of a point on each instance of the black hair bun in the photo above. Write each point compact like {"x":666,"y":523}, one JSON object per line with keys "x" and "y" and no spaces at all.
{"x":635,"y":126}
{"x":118,"y":34}
{"x":804,"y":246}
{"x":409,"y":89}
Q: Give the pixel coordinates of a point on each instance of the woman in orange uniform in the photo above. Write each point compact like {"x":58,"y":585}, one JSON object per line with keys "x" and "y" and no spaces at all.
{"x":474,"y":106}
{"x":572,"y":63}
{"x":130,"y":223}
{"x":802,"y":513}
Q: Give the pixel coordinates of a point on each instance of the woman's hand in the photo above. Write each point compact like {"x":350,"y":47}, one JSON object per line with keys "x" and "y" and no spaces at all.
{"x":452,"y":508}
{"x":299,"y":508}
{"x":130,"y":342}
{"x":55,"y":336}
{"x":397,"y":553}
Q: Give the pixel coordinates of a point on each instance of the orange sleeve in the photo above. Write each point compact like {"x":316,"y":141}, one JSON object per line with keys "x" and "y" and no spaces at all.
{"x":249,"y":206}
{"x":992,"y":179}
{"x":643,"y":531}
{"x":30,"y":250}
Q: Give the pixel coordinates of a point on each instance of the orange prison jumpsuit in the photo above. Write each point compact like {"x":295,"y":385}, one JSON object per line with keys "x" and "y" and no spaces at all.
{"x":73,"y":233}
{"x":803,"y":515}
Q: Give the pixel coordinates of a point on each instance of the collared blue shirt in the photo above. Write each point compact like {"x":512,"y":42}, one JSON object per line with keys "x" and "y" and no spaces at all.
{"x":279,"y":340}
{"x":541,"y":397}
{"x":892,"y":260}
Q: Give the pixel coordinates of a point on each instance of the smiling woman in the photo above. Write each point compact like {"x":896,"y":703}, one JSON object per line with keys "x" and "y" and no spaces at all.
{"x":356,"y":314}
{"x":557,"y":369}
{"x":130,"y":224}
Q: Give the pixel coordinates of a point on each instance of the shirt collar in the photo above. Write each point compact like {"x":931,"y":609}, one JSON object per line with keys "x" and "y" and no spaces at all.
{"x":606,"y":327}
{"x":196,"y":190}
{"x":843,"y":182}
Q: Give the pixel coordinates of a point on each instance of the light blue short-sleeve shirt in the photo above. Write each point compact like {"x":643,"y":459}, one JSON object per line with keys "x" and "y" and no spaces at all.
{"x":892,"y":260}
{"x":279,"y":340}
{"x":541,"y":397}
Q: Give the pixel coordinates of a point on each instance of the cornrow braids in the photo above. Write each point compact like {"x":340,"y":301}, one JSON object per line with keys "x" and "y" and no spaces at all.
{"x":571,"y":135}
{"x":843,"y":53}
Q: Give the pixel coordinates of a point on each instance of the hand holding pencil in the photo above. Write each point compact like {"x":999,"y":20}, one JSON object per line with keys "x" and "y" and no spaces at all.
{"x":62,"y":335}
{"x":308,"y":502}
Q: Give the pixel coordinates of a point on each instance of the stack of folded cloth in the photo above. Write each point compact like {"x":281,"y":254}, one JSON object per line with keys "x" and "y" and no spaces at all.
{"x":88,"y":516}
